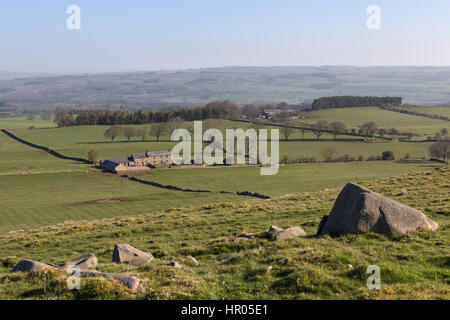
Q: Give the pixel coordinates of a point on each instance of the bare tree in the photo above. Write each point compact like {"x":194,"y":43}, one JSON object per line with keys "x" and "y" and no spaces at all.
{"x":129,"y":132}
{"x":250,"y":111}
{"x":113,"y":132}
{"x":329,"y":153}
{"x":338,"y":127}
{"x":142,"y":132}
{"x":93,"y":156}
{"x":319,"y":127}
{"x":286,"y":132}
{"x":440,"y":149}
{"x":368,"y":129}
{"x":157,"y":130}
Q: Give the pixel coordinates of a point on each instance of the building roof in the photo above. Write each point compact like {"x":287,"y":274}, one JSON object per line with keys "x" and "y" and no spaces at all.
{"x":139,"y":155}
{"x":159,"y":153}
{"x":117,"y":160}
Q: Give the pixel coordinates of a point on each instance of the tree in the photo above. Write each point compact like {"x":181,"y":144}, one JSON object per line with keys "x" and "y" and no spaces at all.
{"x":368,"y":129}
{"x":113,"y":132}
{"x":440,"y":149}
{"x":129,"y":132}
{"x":46,"y":117}
{"x":337,"y":127}
{"x":319,"y":127}
{"x":286,"y":131}
{"x":329,"y":153}
{"x":31,"y":117}
{"x":157,"y":130}
{"x":250,"y":111}
{"x":444,"y":131}
{"x":93,"y":156}
{"x":141,"y":132}
{"x":64,"y":119}
{"x":388,"y":155}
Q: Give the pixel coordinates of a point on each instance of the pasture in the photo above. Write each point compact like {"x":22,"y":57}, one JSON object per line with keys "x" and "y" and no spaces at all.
{"x":77,"y":141}
{"x":354,"y":117}
{"x":413,"y":266}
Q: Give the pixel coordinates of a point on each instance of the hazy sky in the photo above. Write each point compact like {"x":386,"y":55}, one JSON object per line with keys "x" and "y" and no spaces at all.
{"x":173,"y":34}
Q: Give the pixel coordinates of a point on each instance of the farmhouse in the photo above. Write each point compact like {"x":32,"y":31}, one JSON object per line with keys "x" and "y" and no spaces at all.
{"x":137,"y":161}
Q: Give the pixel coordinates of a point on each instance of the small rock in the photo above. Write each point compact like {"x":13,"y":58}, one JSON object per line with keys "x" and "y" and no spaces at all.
{"x":30,"y":266}
{"x":174,"y":264}
{"x":124,"y":253}
{"x":239,"y":239}
{"x":193,"y":260}
{"x":130,"y":282}
{"x":290,"y":233}
{"x":86,"y":261}
{"x":275,"y":229}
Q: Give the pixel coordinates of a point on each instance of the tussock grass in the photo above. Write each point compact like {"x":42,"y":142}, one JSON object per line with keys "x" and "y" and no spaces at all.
{"x":413,"y":266}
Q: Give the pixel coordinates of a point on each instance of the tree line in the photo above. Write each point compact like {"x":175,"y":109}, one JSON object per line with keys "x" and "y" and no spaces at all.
{"x":354,"y":101}
{"x":213,"y":110}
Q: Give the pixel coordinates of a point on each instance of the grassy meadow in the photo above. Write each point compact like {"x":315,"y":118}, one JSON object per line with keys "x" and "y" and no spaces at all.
{"x":77,"y":141}
{"x":413,"y":266}
{"x":354,"y":117}
{"x":53,"y":210}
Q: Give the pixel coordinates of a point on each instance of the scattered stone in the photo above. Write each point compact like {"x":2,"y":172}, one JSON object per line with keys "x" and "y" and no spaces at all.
{"x":124,"y":253}
{"x":192,"y":260}
{"x":290,"y":233}
{"x":86,"y":261}
{"x":360,"y":210}
{"x":130,"y":282}
{"x":275,"y":229}
{"x":30,"y":266}
{"x":174,"y":264}
{"x":239,"y":239}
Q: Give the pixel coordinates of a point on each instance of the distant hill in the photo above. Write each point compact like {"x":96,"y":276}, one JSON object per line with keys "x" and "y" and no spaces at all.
{"x":10,"y":75}
{"x":136,"y":90}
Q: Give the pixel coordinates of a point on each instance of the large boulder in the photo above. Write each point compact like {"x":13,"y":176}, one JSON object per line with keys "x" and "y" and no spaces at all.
{"x":30,"y":266}
{"x":290,"y":233}
{"x":124,"y":253}
{"x":275,"y":229}
{"x":130,"y":282}
{"x":86,"y":261}
{"x":359,"y":210}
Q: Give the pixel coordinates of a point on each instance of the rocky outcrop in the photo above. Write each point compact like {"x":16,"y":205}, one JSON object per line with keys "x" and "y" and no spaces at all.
{"x":30,"y":266}
{"x":275,"y":229}
{"x":130,"y":282}
{"x":124,"y":253}
{"x":290,"y":233}
{"x":360,"y":210}
{"x":86,"y":261}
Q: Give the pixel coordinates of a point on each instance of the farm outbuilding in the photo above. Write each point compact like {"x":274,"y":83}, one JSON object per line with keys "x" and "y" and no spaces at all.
{"x":137,"y":161}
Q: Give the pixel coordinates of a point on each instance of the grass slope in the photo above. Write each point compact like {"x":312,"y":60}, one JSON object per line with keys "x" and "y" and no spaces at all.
{"x":354,"y":117}
{"x":413,"y":266}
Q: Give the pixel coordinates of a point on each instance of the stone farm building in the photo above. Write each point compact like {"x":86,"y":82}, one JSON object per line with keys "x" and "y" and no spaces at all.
{"x":137,"y":161}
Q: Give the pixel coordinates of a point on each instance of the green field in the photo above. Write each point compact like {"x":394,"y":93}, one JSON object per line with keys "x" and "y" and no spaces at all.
{"x":354,"y":117}
{"x":413,"y":266}
{"x":77,"y":141}
{"x":291,"y":179}
{"x":23,"y":123}
{"x":434,"y":110}
{"x":16,"y":158}
{"x":53,"y":210}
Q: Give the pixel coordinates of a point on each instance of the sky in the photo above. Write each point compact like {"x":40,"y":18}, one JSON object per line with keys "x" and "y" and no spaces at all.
{"x":138,"y":35}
